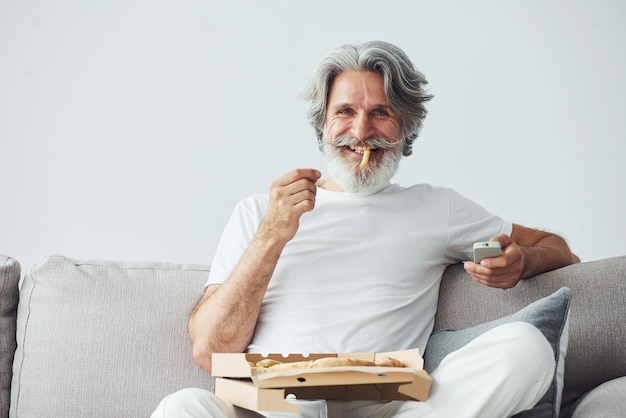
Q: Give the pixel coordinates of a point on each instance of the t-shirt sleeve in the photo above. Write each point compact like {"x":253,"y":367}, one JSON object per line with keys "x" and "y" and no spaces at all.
{"x":239,"y":231}
{"x":469,"y":223}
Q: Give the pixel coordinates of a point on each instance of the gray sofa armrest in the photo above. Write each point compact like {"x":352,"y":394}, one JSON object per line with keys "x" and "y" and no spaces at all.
{"x":597,"y":337}
{"x":10,"y":272}
{"x":606,"y":401}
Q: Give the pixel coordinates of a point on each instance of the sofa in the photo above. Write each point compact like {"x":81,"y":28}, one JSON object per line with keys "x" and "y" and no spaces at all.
{"x":92,"y":338}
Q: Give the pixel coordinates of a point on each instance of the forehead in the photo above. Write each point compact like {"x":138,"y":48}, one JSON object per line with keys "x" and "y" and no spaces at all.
{"x":358,"y":88}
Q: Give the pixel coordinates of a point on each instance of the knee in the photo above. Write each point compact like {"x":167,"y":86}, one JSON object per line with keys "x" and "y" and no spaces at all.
{"x":188,"y":396}
{"x":526,"y":352}
{"x":190,"y":400}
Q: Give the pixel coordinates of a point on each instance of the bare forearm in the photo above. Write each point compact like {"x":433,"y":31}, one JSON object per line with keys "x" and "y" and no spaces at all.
{"x":225,"y":318}
{"x":548,"y":253}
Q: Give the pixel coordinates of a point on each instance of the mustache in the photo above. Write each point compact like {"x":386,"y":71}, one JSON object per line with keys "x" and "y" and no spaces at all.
{"x":376,"y":142}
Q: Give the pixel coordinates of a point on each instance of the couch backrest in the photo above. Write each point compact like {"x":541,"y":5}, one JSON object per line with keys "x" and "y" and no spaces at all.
{"x":102,"y":338}
{"x":597,"y":336}
{"x":89,"y":332}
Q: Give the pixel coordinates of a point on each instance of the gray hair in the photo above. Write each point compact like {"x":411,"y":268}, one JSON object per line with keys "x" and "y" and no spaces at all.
{"x":404,"y":85}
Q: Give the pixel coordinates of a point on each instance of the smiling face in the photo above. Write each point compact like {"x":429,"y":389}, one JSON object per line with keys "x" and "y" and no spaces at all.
{"x":358,"y":117}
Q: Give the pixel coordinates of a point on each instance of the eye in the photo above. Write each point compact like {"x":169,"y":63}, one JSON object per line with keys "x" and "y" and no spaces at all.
{"x":380,"y":112}
{"x":345,"y":111}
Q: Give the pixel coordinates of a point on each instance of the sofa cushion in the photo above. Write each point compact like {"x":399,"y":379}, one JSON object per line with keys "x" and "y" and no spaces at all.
{"x":98,"y":336}
{"x":9,"y":279}
{"x":597,"y":332}
{"x":606,"y":401}
{"x":549,"y":315}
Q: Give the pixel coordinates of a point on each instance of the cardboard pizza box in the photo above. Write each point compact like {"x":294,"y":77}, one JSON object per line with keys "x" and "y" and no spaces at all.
{"x":236,"y":382}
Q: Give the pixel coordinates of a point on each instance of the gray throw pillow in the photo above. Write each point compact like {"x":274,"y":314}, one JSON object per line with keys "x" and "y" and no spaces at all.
{"x":549,"y":315}
{"x":9,"y":295}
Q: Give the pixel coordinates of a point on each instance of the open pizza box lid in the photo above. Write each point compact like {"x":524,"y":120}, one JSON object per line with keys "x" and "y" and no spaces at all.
{"x":236,"y":382}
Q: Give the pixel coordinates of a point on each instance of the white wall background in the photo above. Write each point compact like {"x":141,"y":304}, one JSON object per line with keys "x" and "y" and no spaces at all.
{"x":129,"y":129}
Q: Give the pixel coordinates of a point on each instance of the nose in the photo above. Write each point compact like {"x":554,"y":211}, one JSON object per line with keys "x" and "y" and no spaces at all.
{"x":362,"y":127}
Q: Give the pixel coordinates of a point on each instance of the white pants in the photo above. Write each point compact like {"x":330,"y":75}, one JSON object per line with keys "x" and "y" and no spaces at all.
{"x":503,"y":371}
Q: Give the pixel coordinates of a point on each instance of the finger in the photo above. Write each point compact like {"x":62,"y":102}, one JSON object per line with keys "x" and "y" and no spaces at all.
{"x":292,"y":194}
{"x":283,"y":189}
{"x":494,"y":277}
{"x":503,"y":239}
{"x":305,"y":204}
{"x":485,"y":267}
{"x":499,"y":278}
{"x":302,"y":185}
{"x":304,"y":196}
{"x":299,"y":173}
{"x":503,"y":281}
{"x":300,"y":194}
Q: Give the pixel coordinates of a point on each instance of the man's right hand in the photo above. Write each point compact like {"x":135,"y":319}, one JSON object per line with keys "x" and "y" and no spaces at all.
{"x":291,"y":195}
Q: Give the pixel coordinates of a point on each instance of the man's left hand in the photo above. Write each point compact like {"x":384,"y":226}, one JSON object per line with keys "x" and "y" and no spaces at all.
{"x":502,"y":272}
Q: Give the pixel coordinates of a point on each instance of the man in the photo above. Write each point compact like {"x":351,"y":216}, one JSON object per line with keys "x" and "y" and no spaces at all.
{"x":352,"y":263}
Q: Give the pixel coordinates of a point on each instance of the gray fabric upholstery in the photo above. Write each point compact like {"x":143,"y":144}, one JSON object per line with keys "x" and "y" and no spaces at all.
{"x":549,"y":315}
{"x":108,"y":339}
{"x":9,"y":278}
{"x":103,"y":338}
{"x":597,"y":334}
{"x":605,"y":401}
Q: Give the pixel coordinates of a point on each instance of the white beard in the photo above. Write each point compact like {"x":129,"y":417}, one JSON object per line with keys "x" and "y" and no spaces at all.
{"x":352,"y":178}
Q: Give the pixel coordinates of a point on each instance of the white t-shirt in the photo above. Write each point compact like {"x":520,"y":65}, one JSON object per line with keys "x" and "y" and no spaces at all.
{"x":362,"y":273}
